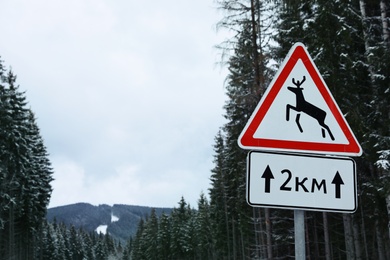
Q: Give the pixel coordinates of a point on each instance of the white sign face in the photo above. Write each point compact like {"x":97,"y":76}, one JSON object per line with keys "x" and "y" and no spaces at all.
{"x":307,"y":128}
{"x":297,"y":181}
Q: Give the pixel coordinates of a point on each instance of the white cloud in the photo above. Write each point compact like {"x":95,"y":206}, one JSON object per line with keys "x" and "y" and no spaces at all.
{"x":69,"y":182}
{"x":127,"y":185}
{"x":125,"y":93}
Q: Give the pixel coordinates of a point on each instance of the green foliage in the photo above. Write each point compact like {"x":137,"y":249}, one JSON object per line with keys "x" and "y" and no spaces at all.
{"x":349,"y":43}
{"x":184,"y":234}
{"x":89,"y":217}
{"x":25,"y":173}
{"x":63,"y":243}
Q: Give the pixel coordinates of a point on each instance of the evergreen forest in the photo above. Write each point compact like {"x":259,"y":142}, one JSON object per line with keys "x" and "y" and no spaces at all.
{"x":350,"y":44}
{"x":349,"y":41}
{"x":25,"y":173}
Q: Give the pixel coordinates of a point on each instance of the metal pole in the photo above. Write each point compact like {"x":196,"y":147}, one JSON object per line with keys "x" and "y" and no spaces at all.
{"x":299,"y":228}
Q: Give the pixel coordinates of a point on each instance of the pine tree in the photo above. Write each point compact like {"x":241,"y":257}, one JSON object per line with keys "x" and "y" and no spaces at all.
{"x":203,"y":230}
{"x":164,"y":237}
{"x":179,"y":229}
{"x":151,"y":236}
{"x":246,"y":83}
{"x":127,"y":250}
{"x":48,"y":243}
{"x":136,"y":249}
{"x":101,"y":251}
{"x":88,"y":245}
{"x":218,"y":200}
{"x":25,"y":173}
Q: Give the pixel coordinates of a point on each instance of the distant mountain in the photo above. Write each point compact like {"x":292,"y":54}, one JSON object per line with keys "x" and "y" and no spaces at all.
{"x":120,"y":221}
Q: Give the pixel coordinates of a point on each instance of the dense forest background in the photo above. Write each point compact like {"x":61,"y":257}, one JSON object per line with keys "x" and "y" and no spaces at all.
{"x":350,"y":44}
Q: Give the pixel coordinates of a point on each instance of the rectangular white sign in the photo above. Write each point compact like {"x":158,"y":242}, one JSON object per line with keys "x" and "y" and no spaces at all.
{"x":300,"y":181}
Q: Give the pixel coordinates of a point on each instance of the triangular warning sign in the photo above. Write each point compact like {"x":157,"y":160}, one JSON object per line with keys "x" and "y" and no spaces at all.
{"x":298,"y":113}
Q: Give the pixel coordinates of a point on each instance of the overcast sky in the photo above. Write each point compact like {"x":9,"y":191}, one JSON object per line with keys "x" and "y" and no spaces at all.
{"x":127,"y":94}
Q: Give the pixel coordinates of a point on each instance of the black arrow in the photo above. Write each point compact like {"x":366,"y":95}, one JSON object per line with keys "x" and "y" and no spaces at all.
{"x":337,"y":181}
{"x":267,"y":175}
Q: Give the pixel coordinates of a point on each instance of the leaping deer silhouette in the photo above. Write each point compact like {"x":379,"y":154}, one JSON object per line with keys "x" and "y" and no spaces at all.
{"x":309,"y":109}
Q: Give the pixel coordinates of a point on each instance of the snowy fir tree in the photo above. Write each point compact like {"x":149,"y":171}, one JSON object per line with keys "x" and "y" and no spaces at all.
{"x":25,"y":173}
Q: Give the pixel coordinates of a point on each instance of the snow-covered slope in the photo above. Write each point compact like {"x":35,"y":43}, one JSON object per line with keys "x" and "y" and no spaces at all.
{"x":103,"y":228}
{"x":120,"y":221}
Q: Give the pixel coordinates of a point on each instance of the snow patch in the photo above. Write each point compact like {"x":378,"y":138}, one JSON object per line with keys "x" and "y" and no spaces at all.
{"x":384,"y":160}
{"x":383,"y":164}
{"x":102,"y":229}
{"x":114,"y":218}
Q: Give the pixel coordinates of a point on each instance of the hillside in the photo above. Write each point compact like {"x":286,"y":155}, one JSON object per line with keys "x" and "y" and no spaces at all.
{"x":120,"y":221}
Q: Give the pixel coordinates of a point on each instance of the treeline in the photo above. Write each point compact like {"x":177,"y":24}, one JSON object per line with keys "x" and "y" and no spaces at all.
{"x":350,"y":44}
{"x":190,"y":233}
{"x":25,"y":173}
{"x":60,"y":242}
{"x":184,"y":234}
{"x":25,"y":190}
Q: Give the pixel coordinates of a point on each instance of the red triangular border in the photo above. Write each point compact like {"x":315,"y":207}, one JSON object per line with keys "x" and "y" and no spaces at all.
{"x":247,"y":140}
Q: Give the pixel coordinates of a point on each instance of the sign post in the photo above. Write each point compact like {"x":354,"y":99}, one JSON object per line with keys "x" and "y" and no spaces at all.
{"x":299,"y":139}
{"x":299,"y":233}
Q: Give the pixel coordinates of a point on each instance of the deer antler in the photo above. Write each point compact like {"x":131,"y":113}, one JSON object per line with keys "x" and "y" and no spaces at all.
{"x":299,"y":83}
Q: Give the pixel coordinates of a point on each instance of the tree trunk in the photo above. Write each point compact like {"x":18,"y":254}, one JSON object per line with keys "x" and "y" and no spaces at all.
{"x":362,"y":5}
{"x":268,"y":227}
{"x":364,"y":233}
{"x":261,"y":53}
{"x":348,"y":236}
{"x":381,"y":248}
{"x":307,"y":237}
{"x":262,"y":239}
{"x":255,"y":223}
{"x":227,"y":225}
{"x":242,"y":244}
{"x":388,"y":213}
{"x":315,"y":238}
{"x":259,"y":233}
{"x":11,"y":233}
{"x":385,"y":24}
{"x":326,"y":235}
{"x":234,"y":239}
{"x":256,"y":63}
{"x":356,"y":239}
